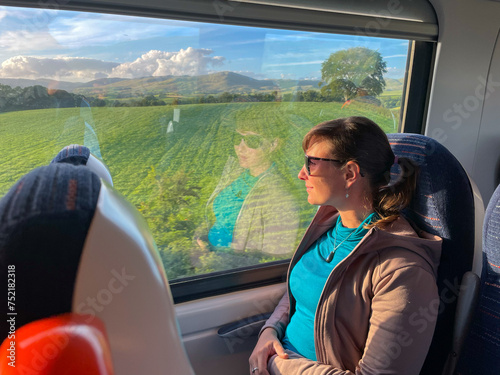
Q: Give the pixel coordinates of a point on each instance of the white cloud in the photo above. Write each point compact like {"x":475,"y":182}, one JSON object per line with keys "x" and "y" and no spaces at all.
{"x":60,"y":68}
{"x":20,"y":41}
{"x":297,"y":63}
{"x":394,"y":72}
{"x":190,"y":61}
{"x":18,"y":13}
{"x":80,"y":32}
{"x":392,"y":56}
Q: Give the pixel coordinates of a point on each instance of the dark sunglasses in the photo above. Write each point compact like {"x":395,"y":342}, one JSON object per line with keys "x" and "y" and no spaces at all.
{"x":252,"y":140}
{"x":309,"y":158}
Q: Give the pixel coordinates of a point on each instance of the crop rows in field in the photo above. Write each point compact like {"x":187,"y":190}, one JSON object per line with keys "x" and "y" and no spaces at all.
{"x":134,"y":139}
{"x":169,"y":168}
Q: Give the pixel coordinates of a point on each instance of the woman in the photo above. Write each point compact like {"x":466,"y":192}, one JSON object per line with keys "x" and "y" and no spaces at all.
{"x":253,"y":207}
{"x":362,"y":279}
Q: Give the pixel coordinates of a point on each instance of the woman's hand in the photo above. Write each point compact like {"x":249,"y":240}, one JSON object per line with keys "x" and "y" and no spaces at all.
{"x":267,"y":346}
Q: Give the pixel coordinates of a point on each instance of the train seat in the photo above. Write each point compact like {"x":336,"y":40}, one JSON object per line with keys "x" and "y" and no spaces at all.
{"x":81,"y":155}
{"x":481,"y":354}
{"x":78,"y":247}
{"x":65,"y":344}
{"x":443,"y":205}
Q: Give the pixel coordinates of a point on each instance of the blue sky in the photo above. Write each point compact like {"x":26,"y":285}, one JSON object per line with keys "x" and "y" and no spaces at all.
{"x":77,"y":46}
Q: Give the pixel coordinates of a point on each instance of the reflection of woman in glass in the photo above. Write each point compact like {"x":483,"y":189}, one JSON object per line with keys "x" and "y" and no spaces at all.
{"x":253,"y":208}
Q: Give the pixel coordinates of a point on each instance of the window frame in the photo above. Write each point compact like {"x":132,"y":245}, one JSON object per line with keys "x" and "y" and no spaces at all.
{"x":399,"y":19}
{"x":419,"y":72}
{"x":222,"y":282}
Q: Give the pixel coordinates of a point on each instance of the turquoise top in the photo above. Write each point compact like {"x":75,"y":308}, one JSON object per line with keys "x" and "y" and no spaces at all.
{"x":308,"y":278}
{"x":227,"y":206}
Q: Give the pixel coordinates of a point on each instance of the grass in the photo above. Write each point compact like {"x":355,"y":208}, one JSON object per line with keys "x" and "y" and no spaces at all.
{"x":394,"y":93}
{"x":134,"y":139}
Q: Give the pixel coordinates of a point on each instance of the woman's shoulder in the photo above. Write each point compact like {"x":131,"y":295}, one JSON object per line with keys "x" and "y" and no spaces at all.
{"x":401,"y":245}
{"x":405,"y":228}
{"x":272,"y":182}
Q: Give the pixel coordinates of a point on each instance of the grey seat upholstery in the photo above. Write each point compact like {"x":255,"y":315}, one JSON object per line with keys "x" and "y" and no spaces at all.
{"x":481,"y":354}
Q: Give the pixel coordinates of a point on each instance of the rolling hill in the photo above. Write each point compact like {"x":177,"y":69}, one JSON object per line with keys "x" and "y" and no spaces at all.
{"x":209,"y":84}
{"x":214,"y":83}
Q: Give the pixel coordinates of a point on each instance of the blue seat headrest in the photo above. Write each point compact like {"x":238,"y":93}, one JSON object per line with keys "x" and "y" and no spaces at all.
{"x":81,"y":155}
{"x":72,"y":154}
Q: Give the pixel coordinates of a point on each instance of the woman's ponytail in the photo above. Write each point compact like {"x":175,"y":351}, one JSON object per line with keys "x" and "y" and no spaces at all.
{"x":391,"y":198}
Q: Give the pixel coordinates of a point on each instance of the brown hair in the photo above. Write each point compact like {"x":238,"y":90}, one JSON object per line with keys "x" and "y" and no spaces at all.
{"x":362,"y":141}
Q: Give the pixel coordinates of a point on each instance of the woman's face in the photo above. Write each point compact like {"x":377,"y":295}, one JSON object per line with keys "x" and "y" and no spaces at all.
{"x":326,"y":184}
{"x":253,"y":150}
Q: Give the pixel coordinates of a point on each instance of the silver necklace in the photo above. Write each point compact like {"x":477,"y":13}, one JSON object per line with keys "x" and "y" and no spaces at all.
{"x":329,"y":258}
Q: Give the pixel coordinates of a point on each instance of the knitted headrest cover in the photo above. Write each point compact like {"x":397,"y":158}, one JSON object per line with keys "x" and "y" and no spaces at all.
{"x":44,"y":220}
{"x":72,"y":154}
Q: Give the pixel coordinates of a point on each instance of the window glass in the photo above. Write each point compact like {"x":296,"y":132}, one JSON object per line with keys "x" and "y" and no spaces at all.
{"x":199,"y":124}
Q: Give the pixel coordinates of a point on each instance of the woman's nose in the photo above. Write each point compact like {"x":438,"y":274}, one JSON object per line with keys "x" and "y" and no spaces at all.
{"x":302,"y":173}
{"x":240,"y":145}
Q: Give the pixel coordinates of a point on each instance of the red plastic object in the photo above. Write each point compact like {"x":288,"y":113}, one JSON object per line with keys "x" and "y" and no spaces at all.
{"x":68,"y":344}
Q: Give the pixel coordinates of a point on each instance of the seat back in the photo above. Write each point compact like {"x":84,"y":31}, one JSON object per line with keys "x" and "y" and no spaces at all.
{"x":443,"y":205}
{"x":481,"y":354}
{"x":79,"y":247}
{"x":81,"y":155}
{"x":62,"y":345}
{"x":121,"y":280}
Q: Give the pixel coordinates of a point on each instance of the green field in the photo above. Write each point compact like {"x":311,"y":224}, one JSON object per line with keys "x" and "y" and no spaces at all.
{"x":394,"y":93}
{"x":168,"y":173}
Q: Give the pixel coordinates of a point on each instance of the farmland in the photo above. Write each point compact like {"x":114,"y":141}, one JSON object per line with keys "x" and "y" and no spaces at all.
{"x":168,"y":165}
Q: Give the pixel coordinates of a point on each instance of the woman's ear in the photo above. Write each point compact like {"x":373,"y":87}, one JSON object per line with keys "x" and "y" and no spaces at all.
{"x":351,"y":172}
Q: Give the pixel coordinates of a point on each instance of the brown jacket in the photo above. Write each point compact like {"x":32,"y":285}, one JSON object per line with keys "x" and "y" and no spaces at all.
{"x":377,"y":311}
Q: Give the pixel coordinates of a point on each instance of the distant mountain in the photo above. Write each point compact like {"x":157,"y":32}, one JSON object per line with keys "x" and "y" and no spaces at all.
{"x":209,"y":84}
{"x":214,"y":83}
{"x":392,"y":84}
{"x":101,"y":82}
{"x":23,"y":83}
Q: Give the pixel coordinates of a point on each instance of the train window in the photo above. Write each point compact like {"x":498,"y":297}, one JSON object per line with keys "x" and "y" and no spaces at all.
{"x":199,"y":123}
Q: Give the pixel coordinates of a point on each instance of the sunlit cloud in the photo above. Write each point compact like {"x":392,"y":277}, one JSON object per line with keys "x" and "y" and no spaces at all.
{"x":60,"y":68}
{"x":190,"y":61}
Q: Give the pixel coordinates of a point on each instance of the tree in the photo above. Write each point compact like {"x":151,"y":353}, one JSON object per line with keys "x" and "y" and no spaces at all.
{"x":172,"y":220}
{"x":352,"y":72}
